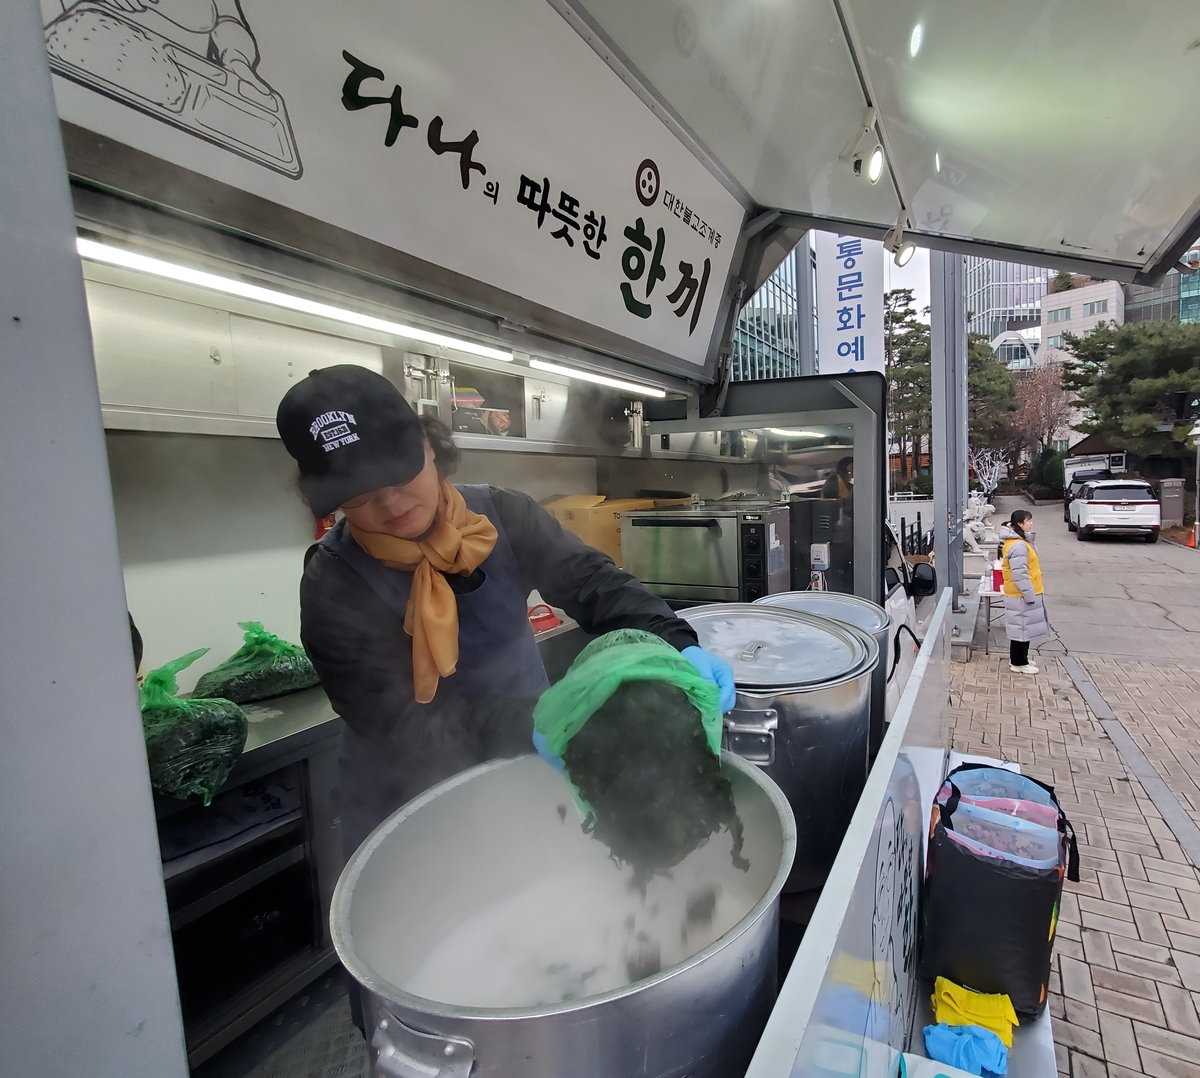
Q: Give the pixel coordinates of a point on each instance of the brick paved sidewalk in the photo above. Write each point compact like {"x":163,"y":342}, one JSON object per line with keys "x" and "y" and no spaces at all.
{"x":1159,"y":704}
{"x":1125,"y":987}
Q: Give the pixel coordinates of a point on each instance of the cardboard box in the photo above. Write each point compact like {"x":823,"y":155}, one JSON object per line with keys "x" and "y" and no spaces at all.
{"x":595,"y":519}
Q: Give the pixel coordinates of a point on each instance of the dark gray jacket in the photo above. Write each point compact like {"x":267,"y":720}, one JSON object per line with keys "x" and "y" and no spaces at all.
{"x":364,"y":658}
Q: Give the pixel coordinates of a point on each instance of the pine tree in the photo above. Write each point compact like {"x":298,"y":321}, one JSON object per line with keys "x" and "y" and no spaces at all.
{"x":1137,"y":383}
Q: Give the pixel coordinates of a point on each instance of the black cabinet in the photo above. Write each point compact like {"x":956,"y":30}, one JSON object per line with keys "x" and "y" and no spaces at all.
{"x":249,"y":878}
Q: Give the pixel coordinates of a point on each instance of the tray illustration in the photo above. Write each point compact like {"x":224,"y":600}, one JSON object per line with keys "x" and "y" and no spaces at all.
{"x":104,"y":49}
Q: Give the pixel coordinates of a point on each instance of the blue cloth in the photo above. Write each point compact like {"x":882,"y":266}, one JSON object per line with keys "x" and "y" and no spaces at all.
{"x":543,"y":750}
{"x":716,"y":670}
{"x":969,"y":1048}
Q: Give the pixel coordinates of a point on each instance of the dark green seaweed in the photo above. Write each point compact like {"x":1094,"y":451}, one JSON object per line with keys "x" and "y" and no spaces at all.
{"x":192,"y":745}
{"x":656,"y":790}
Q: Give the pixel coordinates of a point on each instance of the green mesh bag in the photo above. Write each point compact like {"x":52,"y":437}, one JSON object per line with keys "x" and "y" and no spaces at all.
{"x":264,"y":666}
{"x":191,"y":744}
{"x":639,"y":733}
{"x":608,"y":662}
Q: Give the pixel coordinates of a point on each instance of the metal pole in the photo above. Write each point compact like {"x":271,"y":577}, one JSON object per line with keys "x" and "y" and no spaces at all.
{"x":806,"y":336}
{"x":1195,"y":433}
{"x":88,"y":975}
{"x":948,"y":373}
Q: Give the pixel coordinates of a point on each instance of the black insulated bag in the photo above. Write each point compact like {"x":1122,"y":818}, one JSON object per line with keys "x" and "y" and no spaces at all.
{"x":999,"y":848}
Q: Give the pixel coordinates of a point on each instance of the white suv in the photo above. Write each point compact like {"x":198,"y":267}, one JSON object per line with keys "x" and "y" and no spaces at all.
{"x":1115,"y":507}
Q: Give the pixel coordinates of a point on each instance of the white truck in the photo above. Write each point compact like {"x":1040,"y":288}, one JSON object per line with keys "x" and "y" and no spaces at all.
{"x":1078,"y":470}
{"x":1112,"y":462}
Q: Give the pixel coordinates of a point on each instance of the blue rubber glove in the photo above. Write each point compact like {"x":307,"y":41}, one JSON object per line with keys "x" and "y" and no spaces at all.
{"x":539,"y":743}
{"x":969,"y":1048}
{"x":716,"y":670}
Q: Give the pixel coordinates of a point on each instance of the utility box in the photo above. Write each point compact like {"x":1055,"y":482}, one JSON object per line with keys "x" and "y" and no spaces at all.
{"x":1170,"y":496}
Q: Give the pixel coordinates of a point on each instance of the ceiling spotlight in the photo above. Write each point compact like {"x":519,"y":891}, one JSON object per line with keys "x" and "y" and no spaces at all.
{"x":902,"y":249}
{"x":866,"y":163}
{"x":914,"y":40}
{"x":875,"y":165}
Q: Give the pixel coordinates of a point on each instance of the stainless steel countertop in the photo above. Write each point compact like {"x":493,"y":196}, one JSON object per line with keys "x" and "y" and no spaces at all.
{"x":283,"y":716}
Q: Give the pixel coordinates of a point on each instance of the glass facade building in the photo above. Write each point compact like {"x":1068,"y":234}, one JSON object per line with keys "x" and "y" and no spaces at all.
{"x":1153,"y":303}
{"x":1189,"y":292}
{"x":1003,"y":295}
{"x":1176,"y":298}
{"x":1014,"y":353}
{"x":766,"y":341}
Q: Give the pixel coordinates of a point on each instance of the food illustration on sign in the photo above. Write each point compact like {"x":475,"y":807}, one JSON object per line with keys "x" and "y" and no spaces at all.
{"x":189,"y":63}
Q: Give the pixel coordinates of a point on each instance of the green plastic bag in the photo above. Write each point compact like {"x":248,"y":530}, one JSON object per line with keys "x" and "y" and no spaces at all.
{"x":639,"y":733}
{"x":264,"y":666}
{"x":191,"y":744}
{"x":608,"y":662}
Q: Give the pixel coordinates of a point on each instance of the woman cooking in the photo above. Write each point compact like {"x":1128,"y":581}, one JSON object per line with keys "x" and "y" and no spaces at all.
{"x":413,"y":607}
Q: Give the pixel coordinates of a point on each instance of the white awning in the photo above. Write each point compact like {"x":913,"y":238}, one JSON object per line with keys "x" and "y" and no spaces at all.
{"x":1057,"y":132}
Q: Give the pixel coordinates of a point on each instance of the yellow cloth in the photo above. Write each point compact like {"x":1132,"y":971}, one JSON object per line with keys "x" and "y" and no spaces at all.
{"x":1035,"y":570}
{"x":458,"y":542}
{"x":958,"y":1006}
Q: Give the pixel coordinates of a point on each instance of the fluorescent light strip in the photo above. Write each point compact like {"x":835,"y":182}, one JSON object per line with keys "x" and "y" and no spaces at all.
{"x":116,"y":256}
{"x":599,"y":379}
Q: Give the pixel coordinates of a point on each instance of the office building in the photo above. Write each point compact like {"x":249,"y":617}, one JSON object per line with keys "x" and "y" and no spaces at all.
{"x":766,"y":342}
{"x":1153,"y":303}
{"x":1176,"y":298}
{"x":1077,"y":311}
{"x":1003,"y":296}
{"x":1018,"y":349}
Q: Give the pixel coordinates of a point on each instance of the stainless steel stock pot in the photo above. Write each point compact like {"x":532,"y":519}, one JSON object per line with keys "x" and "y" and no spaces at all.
{"x":507,"y":833}
{"x":802,"y":715}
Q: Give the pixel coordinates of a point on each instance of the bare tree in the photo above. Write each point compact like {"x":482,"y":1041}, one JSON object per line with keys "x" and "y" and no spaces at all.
{"x":987,"y":464}
{"x":1043,"y":406}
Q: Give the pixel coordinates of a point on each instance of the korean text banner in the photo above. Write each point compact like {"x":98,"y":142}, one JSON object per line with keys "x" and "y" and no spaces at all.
{"x":849,"y":304}
{"x":484,"y":137}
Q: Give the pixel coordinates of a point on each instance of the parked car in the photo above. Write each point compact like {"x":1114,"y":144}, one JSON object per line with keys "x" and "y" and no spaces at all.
{"x":1115,"y":507}
{"x":1075,"y":485}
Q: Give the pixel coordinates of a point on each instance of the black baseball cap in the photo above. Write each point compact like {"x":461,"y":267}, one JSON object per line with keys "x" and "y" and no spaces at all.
{"x":351,"y":431}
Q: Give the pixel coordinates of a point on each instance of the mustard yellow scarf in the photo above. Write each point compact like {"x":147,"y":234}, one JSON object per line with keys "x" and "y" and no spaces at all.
{"x":458,"y":542}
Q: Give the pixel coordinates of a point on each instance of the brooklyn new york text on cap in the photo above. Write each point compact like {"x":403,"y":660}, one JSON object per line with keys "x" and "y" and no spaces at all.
{"x":350,"y":431}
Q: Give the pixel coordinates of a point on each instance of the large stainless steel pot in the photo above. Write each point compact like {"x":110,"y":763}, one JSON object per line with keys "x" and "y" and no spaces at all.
{"x":866,"y":615}
{"x":487,"y":838}
{"x":802,"y":715}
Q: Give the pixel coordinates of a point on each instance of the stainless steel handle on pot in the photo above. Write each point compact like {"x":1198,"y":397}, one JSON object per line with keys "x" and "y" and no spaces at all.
{"x":750,"y":734}
{"x":408,"y":1053}
{"x":752,"y":650}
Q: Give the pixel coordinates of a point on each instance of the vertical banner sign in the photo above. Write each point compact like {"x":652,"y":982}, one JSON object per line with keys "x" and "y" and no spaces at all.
{"x":849,"y":304}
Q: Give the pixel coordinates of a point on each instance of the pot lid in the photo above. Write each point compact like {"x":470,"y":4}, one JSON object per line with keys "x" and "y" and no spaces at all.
{"x":770,"y":647}
{"x":851,"y":609}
